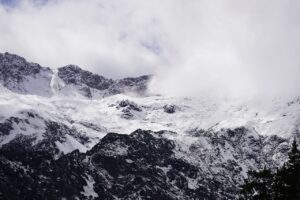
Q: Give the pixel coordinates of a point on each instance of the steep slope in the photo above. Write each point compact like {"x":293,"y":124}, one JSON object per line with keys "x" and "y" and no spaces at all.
{"x":93,"y":85}
{"x":24,"y":77}
{"x":59,"y":134}
{"x":142,"y":165}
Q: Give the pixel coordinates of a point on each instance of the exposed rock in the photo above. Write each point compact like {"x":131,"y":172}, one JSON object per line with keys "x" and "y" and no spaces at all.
{"x":129,"y":109}
{"x":39,"y":134}
{"x":130,"y":105}
{"x":142,"y":165}
{"x":136,"y":85}
{"x":170,"y":109}
{"x":136,"y":166}
{"x":73,"y":74}
{"x":20,"y":76}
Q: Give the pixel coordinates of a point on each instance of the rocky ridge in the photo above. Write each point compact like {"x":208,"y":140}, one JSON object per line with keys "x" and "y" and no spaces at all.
{"x":142,"y":165}
{"x":91,"y":146}
{"x":21,"y":76}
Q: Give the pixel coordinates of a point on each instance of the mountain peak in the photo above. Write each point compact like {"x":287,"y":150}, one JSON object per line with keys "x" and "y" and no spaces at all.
{"x":72,"y":74}
{"x":21,"y":76}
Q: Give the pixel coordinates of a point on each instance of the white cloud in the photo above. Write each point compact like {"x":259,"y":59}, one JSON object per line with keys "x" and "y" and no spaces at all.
{"x":227,"y":48}
{"x":103,"y":36}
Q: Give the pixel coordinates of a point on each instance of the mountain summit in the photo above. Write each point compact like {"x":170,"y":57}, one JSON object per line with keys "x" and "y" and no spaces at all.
{"x":21,"y":76}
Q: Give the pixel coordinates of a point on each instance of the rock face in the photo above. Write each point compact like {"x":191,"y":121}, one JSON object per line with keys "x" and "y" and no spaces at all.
{"x":123,"y":166}
{"x":142,"y":165}
{"x":129,"y":109}
{"x":137,"y":85}
{"x":91,"y":85}
{"x":170,"y":109}
{"x":20,"y":76}
{"x":72,"y":74}
{"x":31,"y":132}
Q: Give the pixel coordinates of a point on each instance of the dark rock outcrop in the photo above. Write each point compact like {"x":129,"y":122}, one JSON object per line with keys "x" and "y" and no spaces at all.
{"x":128,"y":108}
{"x":73,"y":74}
{"x":142,"y":165}
{"x":85,"y":80}
{"x":20,"y":76}
{"x":136,"y":166}
{"x":170,"y":109}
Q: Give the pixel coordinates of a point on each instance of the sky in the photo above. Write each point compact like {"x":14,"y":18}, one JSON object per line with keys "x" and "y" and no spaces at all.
{"x":227,"y":49}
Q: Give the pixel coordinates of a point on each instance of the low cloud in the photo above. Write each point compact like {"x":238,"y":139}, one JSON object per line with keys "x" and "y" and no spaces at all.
{"x":231,"y":49}
{"x":107,"y":37}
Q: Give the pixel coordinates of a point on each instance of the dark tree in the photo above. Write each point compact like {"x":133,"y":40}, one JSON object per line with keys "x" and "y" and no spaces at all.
{"x":258,"y":186}
{"x":284,"y":184}
{"x":291,"y":174}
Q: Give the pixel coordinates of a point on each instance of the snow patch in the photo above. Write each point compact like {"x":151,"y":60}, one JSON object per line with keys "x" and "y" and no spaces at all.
{"x":70,"y":145}
{"x":89,"y":188}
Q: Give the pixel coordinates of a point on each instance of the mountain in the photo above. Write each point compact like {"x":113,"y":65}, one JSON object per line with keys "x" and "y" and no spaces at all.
{"x":18,"y":75}
{"x":71,"y":134}
{"x":24,"y":77}
{"x":92,"y":85}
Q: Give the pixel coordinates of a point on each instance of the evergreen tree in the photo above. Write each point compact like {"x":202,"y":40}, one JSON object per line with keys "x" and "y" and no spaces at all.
{"x":291,"y":174}
{"x":284,"y":184}
{"x":279,"y":184}
{"x":258,"y":185}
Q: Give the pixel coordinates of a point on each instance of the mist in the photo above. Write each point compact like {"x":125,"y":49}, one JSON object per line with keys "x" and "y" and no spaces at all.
{"x":224,"y":49}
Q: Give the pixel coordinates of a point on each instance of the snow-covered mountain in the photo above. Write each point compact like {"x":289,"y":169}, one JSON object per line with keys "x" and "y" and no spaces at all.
{"x":69,"y":133}
{"x":24,"y":77}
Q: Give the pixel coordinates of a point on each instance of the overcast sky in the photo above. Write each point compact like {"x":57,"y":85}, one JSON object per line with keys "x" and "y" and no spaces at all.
{"x":232,"y":48}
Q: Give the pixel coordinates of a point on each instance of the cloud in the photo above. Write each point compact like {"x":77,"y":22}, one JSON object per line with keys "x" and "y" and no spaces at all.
{"x":232,"y":49}
{"x":107,"y":37}
{"x":236,"y":49}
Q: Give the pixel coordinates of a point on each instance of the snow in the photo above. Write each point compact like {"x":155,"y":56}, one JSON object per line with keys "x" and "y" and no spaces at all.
{"x":164,"y":169}
{"x":89,"y":188}
{"x":26,"y":126}
{"x":129,"y":161}
{"x":39,"y":84}
{"x":70,"y":145}
{"x":96,"y":117}
{"x":192,"y":183}
{"x":116,"y":149}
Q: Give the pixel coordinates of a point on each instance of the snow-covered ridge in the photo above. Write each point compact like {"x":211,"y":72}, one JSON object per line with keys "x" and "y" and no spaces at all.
{"x":21,"y":76}
{"x":49,"y":91}
{"x":18,"y":75}
{"x":59,"y":111}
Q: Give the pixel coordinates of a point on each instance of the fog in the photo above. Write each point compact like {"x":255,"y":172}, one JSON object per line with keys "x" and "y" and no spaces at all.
{"x":227,"y":49}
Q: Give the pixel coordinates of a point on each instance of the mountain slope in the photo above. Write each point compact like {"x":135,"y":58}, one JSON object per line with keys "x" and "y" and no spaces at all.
{"x":62,"y":125}
{"x":23,"y":77}
{"x":20,"y":76}
{"x":142,"y":165}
